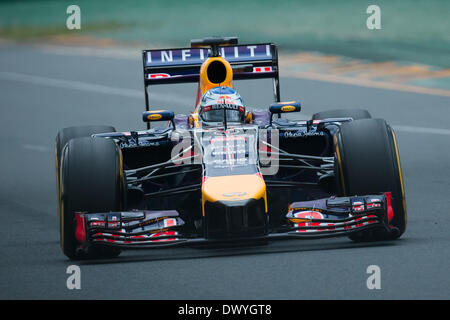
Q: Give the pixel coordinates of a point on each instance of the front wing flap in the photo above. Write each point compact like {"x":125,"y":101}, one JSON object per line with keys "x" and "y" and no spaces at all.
{"x":341,"y":215}
{"x":129,"y":228}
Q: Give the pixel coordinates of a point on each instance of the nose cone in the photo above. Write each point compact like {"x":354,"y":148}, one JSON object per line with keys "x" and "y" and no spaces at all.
{"x":233,"y":188}
{"x":234,"y":206}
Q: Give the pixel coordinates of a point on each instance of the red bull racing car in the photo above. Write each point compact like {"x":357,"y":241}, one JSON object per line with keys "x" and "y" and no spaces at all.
{"x":224,"y":173}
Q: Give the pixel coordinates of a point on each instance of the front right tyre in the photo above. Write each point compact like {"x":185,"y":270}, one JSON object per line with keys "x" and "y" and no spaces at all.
{"x":69,"y":133}
{"x":91,"y":180}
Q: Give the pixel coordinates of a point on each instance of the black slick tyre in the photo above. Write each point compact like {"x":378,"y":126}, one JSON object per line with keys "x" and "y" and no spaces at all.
{"x":65,"y":135}
{"x":91,"y":181}
{"x":367,"y":162}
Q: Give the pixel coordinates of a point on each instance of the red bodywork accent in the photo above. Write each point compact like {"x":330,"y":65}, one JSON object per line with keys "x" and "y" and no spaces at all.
{"x":259,"y":174}
{"x":390,"y":211}
{"x":158,"y":75}
{"x":262,"y":69}
{"x":164,"y":233}
{"x":309,"y":215}
{"x":169,"y":222}
{"x":221,"y":139}
{"x":80,"y":231}
{"x":199,"y":95}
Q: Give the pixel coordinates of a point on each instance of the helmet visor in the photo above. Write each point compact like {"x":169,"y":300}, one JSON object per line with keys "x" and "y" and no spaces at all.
{"x":217,"y":112}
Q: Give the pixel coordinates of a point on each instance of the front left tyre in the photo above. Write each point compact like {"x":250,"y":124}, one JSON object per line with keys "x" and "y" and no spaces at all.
{"x":367,"y":162}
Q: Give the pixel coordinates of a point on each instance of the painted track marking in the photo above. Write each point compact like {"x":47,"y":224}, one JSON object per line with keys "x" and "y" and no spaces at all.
{"x":177,"y":99}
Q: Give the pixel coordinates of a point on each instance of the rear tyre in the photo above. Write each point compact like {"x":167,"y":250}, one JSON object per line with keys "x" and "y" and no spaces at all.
{"x":367,"y":162}
{"x":356,"y":114}
{"x":91,"y":181}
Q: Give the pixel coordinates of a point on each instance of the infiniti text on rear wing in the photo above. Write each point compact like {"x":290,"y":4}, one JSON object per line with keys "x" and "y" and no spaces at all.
{"x":182,"y":65}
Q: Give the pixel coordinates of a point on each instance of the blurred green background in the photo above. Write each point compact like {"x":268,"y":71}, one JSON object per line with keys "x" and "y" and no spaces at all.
{"x":412,"y":31}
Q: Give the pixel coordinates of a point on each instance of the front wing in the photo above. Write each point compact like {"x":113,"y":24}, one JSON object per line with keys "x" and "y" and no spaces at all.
{"x":322,"y":218}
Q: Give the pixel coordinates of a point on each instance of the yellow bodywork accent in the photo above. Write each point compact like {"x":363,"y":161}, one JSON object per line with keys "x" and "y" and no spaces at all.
{"x":287,"y":108}
{"x":206,"y":84}
{"x":58,"y":192}
{"x":299,"y":220}
{"x":338,"y":155}
{"x":400,"y":175}
{"x":61,"y":194}
{"x":287,"y":102}
{"x":57,"y":176}
{"x":155,"y":116}
{"x":122,"y":187}
{"x":249,"y":117}
{"x":233,"y":188}
{"x":194,"y":122}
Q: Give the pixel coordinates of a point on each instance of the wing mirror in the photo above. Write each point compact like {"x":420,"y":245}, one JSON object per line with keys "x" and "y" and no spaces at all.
{"x":158,"y":115}
{"x":284,"y":107}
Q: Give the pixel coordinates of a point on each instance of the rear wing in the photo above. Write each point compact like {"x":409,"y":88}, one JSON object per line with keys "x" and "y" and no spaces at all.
{"x":182,"y":65}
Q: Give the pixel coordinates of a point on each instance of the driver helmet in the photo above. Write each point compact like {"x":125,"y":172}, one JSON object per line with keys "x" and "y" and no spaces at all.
{"x":220,"y":100}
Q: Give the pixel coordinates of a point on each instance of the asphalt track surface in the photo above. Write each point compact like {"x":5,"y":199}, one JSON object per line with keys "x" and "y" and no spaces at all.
{"x":42,"y":92}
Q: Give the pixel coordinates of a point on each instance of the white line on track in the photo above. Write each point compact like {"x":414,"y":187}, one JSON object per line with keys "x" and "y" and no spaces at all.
{"x":177,"y":99}
{"x":131,"y":53}
{"x":36,"y":147}
{"x":90,"y":87}
{"x":412,"y":129}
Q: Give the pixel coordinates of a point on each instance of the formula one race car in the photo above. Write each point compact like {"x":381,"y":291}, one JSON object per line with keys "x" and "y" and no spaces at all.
{"x":225,"y":173}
